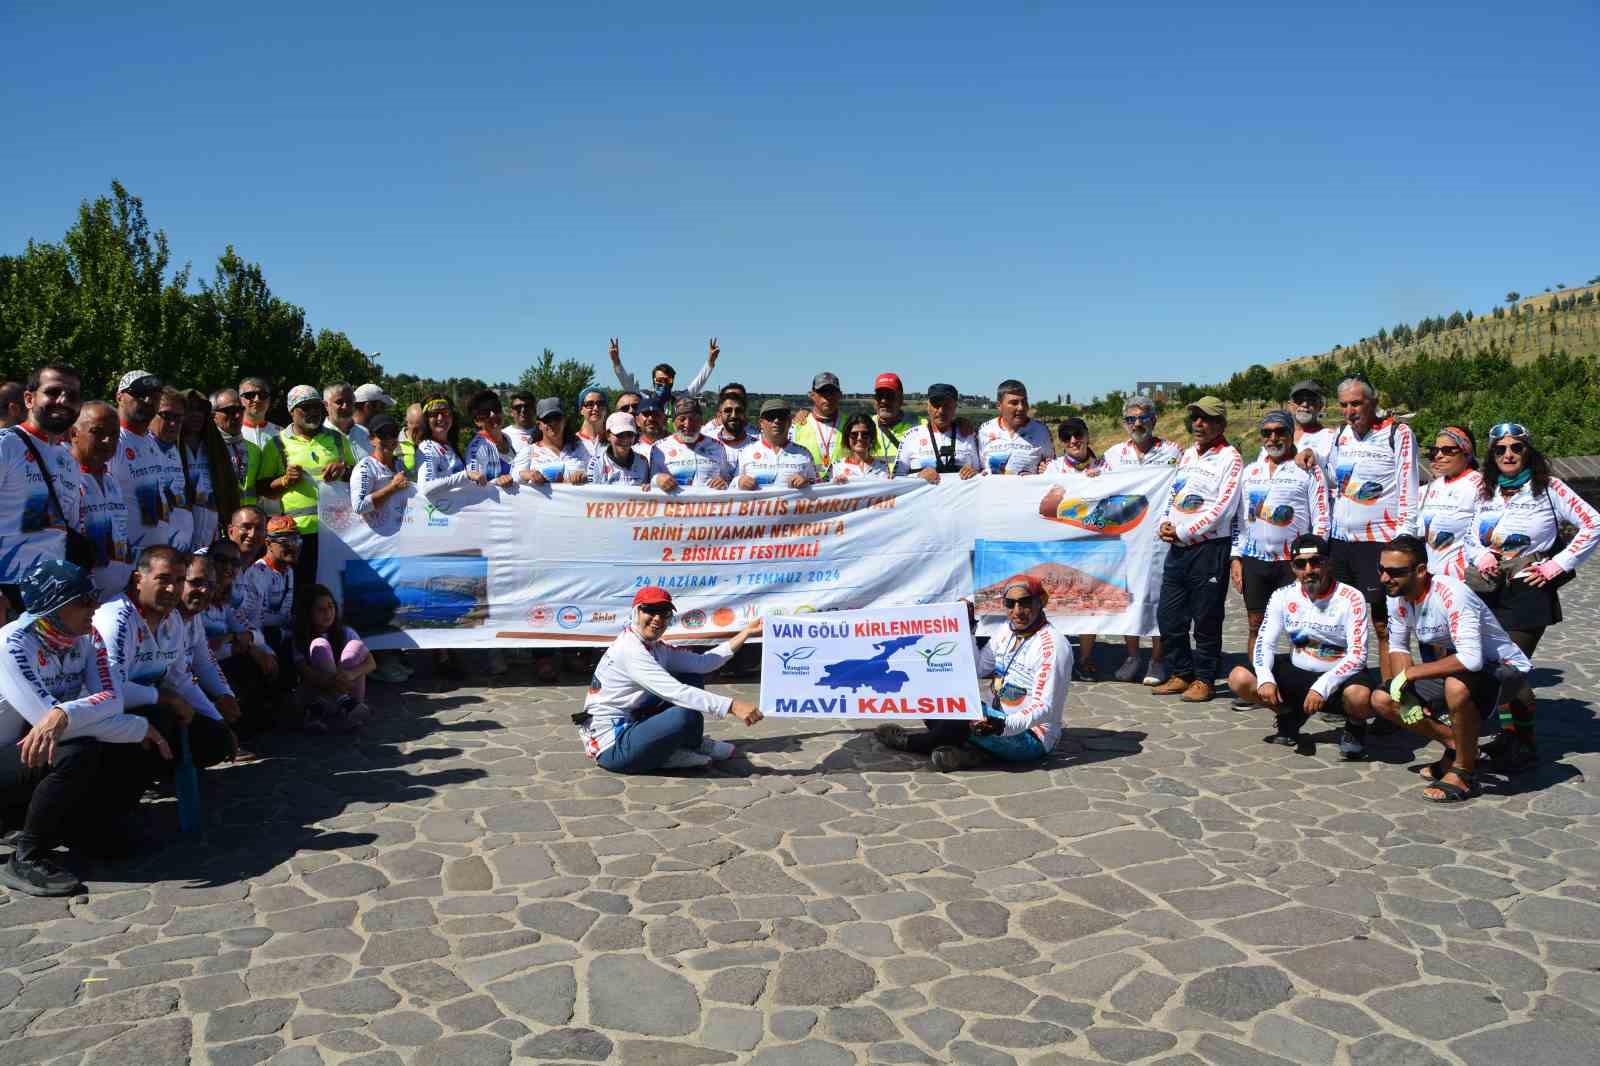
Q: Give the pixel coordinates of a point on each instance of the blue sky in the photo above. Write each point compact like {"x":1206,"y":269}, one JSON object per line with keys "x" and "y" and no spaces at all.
{"x":1074,"y":197}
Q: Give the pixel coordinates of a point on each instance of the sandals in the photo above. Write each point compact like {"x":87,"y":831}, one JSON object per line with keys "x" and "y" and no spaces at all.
{"x":1455,"y":793}
{"x":1438,"y":768}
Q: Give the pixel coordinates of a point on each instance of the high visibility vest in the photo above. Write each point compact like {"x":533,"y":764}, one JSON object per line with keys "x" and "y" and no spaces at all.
{"x":886,"y":443}
{"x":825,"y":443}
{"x":290,"y":449}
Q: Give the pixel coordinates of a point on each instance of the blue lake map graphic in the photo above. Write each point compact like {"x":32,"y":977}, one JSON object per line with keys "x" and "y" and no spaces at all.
{"x":873,"y":673}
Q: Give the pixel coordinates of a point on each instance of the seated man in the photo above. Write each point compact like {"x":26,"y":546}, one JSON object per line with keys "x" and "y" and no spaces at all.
{"x":1031,"y":668}
{"x":1465,"y":656}
{"x":265,"y":590}
{"x":1325,"y":665}
{"x":193,"y":600}
{"x":148,"y":647}
{"x":57,"y":695}
{"x":240,"y":650}
{"x":640,"y":715}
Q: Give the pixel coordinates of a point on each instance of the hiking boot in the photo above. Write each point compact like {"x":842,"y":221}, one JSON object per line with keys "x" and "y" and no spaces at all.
{"x":38,"y":875}
{"x":717,"y":749}
{"x":1128,"y":672}
{"x":1199,"y":692}
{"x":893,"y":736}
{"x":1173,"y":686}
{"x":684,"y":759}
{"x":950,"y":757}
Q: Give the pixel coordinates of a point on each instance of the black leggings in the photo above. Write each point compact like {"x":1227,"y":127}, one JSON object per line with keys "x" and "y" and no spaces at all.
{"x":128,"y":769}
{"x":50,"y":794}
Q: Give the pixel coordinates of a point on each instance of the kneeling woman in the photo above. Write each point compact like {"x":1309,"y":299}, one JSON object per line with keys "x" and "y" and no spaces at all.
{"x":639,"y":715}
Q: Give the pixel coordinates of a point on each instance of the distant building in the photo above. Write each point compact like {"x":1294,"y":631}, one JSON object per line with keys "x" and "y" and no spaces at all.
{"x":1157,"y":390}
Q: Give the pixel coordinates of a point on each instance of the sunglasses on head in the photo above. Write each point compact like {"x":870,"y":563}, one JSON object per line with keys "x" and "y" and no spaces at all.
{"x":1014,"y":603}
{"x":1509,"y":429}
{"x":1516,"y":447}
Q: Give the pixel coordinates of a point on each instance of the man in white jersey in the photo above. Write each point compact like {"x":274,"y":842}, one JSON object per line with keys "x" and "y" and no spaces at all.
{"x":689,"y":458}
{"x":618,"y":462}
{"x":147,"y":643}
{"x":167,"y":429}
{"x":1012,"y":442}
{"x":732,"y":426}
{"x":1279,"y":502}
{"x":1029,"y":667}
{"x":1466,"y":657}
{"x":60,"y":711}
{"x":523,"y":429}
{"x":139,"y":466}
{"x":1197,"y":524}
{"x":240,"y":650}
{"x":1326,"y":623}
{"x":38,"y":481}
{"x":340,"y":401}
{"x":266,"y":589}
{"x":1305,"y":405}
{"x":102,"y":512}
{"x":938,"y":446}
{"x":1371,"y":469}
{"x":1144,"y":447}
{"x":256,"y":395}
{"x":774,"y":459}
{"x":194,"y":597}
{"x":662,"y":376}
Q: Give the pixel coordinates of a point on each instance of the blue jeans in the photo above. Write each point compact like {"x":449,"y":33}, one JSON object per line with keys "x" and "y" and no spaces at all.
{"x":1024,"y":747}
{"x":646,"y":744}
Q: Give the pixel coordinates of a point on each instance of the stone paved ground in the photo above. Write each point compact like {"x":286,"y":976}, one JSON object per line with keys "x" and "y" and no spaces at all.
{"x":460,"y":887}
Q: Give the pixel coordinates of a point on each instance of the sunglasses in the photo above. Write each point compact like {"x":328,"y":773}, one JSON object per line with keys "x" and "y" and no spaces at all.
{"x":522,"y":407}
{"x":1318,"y":561}
{"x":657,"y":610}
{"x":1275,"y":431}
{"x":1074,"y":434}
{"x":625,"y":408}
{"x":1393,"y":571}
{"x":288,"y":540}
{"x":1138,"y":420}
{"x":1305,"y":399}
{"x":859,"y":434}
{"x":1516,"y":447}
{"x":1020,"y":602}
{"x":591,"y":403}
{"x":1446,"y":451}
{"x":486,"y":412}
{"x":231,"y":410}
{"x":253,"y":395}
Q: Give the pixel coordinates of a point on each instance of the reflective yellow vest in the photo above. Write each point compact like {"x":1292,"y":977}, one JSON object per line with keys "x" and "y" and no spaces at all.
{"x":290,"y":449}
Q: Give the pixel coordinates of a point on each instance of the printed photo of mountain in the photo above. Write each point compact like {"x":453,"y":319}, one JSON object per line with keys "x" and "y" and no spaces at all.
{"x":1081,"y":576}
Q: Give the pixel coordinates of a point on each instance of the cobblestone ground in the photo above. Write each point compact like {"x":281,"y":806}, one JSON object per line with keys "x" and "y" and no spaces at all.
{"x":461,"y":887}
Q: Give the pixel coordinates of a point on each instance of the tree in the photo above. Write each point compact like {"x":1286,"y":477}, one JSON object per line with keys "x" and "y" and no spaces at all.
{"x":1513,"y":296}
{"x":564,"y":380}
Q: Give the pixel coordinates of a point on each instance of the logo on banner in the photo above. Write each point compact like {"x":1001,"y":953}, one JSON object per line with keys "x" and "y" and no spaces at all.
{"x":603,"y":616}
{"x":937,"y":658}
{"x":569,"y":617}
{"x":797,"y":655}
{"x":540,"y":615}
{"x":437,"y":517}
{"x":693,"y":619}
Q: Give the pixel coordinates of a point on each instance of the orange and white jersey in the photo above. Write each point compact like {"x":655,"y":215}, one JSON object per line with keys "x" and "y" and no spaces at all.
{"x":1527,"y":523}
{"x":1444,"y":521}
{"x":775,"y":466}
{"x":1450,"y":619}
{"x":1327,"y":636}
{"x":1023,"y":452}
{"x":1374,"y":480}
{"x":1205,"y":493}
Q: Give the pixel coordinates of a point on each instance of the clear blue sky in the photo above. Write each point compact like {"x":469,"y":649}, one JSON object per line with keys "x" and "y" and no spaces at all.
{"x":1074,"y":195}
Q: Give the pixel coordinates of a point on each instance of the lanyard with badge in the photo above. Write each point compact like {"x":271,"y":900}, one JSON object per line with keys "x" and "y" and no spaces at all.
{"x":1000,"y":682}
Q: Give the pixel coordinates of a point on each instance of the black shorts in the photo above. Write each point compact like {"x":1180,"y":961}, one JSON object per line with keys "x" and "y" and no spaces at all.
{"x":1484,"y":685}
{"x":1355,"y":562}
{"x":1521,"y":606}
{"x":1261,"y":579}
{"x":1295,"y":683}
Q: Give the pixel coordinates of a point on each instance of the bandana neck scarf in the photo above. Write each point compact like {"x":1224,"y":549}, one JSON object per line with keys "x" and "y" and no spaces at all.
{"x":1517,"y":480}
{"x":55,"y":638}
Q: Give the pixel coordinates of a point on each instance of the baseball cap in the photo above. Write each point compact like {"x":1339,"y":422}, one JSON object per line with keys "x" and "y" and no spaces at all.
{"x":649,"y":402}
{"x":383,"y":426}
{"x":887,"y":380}
{"x":550,"y":405}
{"x":824,"y":380}
{"x":51,"y":584}
{"x":652,"y":594}
{"x":303,"y":394}
{"x":281,"y":525}
{"x":776,"y":405}
{"x":138,"y":381}
{"x":942,"y":393}
{"x":621,"y":422}
{"x":370,"y":393}
{"x":1307,"y":386}
{"x":1210,"y":406}
{"x":1277,"y":418}
{"x":1308,"y":546}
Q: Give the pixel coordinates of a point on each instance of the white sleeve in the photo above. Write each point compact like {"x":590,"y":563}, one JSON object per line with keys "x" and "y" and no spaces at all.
{"x":100,"y":714}
{"x":1466,"y":633}
{"x":625,"y":379}
{"x":204,"y":663}
{"x":1264,"y":652}
{"x":119,"y":646}
{"x":1321,"y":505}
{"x":655,"y":676}
{"x":1399,"y":625}
{"x":433,"y":475}
{"x":1409,"y":476}
{"x":658,"y":461}
{"x":180,"y":679}
{"x":1049,"y":692}
{"x":1474,"y":548}
{"x":361,"y":488}
{"x":698,"y":382}
{"x":1575,"y":511}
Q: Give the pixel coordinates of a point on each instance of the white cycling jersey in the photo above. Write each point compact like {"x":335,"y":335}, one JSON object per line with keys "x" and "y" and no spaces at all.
{"x":1031,"y":677}
{"x":103,"y":518}
{"x":145,"y":478}
{"x":1278,"y":503}
{"x":850,"y":468}
{"x":734,"y":442}
{"x":585,"y":447}
{"x":1022,"y":452}
{"x":1126,"y":453}
{"x":605,"y":470}
{"x":923,"y":447}
{"x":775,"y":466}
{"x":1375,"y":480}
{"x":552,"y":464}
{"x":1204,"y":493}
{"x":1066,"y":464}
{"x":34,"y":677}
{"x":521,"y":439}
{"x":494,"y":460}
{"x":202,"y":660}
{"x":368,"y":476}
{"x":180,"y":516}
{"x":203,"y":501}
{"x":692,"y":464}
{"x":1318,"y":441}
{"x":259,"y":435}
{"x":31,"y":529}
{"x":1327,"y":636}
{"x":1444,"y":521}
{"x":1450,"y":619}
{"x":1527,"y":523}
{"x":632,"y":676}
{"x":266,"y":594}
{"x":438,"y":468}
{"x":147,"y":660}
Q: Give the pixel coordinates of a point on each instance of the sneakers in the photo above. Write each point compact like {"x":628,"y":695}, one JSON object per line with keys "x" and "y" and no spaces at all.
{"x":1129,"y":670}
{"x":684,"y":759}
{"x":1157,"y":674}
{"x":1172,"y":686}
{"x":1198,"y":692}
{"x":717,"y":749}
{"x":893,"y":736}
{"x":1508,"y":754}
{"x":1242,"y":705}
{"x":37,"y":875}
{"x":1351,"y":746}
{"x":951,"y":757}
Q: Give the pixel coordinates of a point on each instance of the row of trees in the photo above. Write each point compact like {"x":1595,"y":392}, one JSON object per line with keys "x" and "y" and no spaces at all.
{"x":107,"y":298}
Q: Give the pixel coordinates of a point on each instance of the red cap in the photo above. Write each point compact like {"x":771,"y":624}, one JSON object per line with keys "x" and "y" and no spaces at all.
{"x":1034,"y":586}
{"x":651,"y":594}
{"x":887,"y":380}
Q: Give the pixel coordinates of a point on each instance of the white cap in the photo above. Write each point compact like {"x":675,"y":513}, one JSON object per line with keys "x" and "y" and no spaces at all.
{"x":621,"y":422}
{"x":370,"y":393}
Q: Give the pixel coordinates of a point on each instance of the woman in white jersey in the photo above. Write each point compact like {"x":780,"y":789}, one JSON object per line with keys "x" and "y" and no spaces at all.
{"x":551,"y":458}
{"x":439,"y":463}
{"x":491,"y":451}
{"x":858,"y":464}
{"x":1444,"y":517}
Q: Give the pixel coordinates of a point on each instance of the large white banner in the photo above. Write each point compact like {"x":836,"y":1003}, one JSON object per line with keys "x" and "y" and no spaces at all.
{"x":890,"y":662}
{"x":557,"y":566}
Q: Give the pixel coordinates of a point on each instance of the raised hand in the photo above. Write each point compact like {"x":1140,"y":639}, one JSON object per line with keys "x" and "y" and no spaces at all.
{"x":712,"y":351}
{"x":615,"y":351}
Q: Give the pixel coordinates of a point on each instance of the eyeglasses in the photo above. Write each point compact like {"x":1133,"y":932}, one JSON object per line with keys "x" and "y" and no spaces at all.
{"x":657,"y":610}
{"x":1318,"y":561}
{"x":254,"y":394}
{"x":1305,"y":399}
{"x":1020,"y":602}
{"x":1074,"y":434}
{"x":231,"y":410}
{"x":1446,"y":451}
{"x":1138,"y":420}
{"x":1509,"y":429}
{"x":486,"y":412}
{"x":1516,"y":447}
{"x":1393,"y":571}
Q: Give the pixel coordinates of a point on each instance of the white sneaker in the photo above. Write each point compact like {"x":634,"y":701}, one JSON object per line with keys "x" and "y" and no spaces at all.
{"x":717,"y":749}
{"x":684,"y":759}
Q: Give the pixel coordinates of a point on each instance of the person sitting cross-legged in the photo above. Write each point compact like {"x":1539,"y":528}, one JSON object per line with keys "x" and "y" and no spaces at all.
{"x":1030,"y":665}
{"x":1326,"y":622}
{"x":640,"y":714}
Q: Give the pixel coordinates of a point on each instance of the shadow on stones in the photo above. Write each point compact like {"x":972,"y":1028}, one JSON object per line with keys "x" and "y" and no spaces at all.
{"x":259,"y":815}
{"x":861,"y":751}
